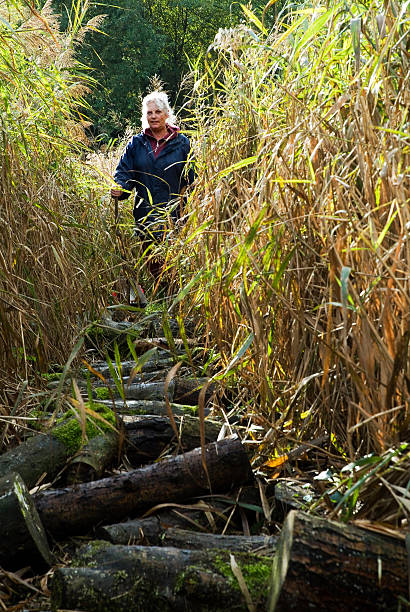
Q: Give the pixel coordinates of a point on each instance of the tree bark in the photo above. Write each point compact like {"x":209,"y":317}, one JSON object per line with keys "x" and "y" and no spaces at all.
{"x":126,"y":578}
{"x":22,"y":535}
{"x":148,"y":436}
{"x":324,"y":565}
{"x":145,"y":391}
{"x":149,"y":532}
{"x":180,"y":390}
{"x":76,"y":509}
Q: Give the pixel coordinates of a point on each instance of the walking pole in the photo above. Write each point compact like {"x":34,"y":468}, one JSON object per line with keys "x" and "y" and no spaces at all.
{"x":118,"y":237}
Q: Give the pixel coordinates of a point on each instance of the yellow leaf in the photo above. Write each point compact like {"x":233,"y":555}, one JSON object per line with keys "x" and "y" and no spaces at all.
{"x":272,"y":463}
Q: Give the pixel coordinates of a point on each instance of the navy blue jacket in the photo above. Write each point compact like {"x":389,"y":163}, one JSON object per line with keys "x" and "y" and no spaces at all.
{"x":156,"y":181}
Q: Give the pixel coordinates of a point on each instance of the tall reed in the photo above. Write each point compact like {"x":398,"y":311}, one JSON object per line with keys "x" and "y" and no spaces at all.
{"x":52,"y":223}
{"x":296,"y":248}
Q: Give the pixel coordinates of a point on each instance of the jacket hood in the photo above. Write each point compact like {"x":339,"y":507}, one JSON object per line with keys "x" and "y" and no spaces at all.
{"x":173,"y":132}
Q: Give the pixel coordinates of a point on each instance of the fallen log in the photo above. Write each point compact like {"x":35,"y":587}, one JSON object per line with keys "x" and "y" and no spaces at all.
{"x":139,"y":391}
{"x":76,"y":509}
{"x":142,"y":345}
{"x":157,"y":362}
{"x":42,"y":453}
{"x":22,"y":536}
{"x":291,"y":494}
{"x":187,"y":390}
{"x":321,"y":565}
{"x":148,"y":436}
{"x":126,"y":578}
{"x":149,"y":407}
{"x":150,"y":532}
{"x":180,"y":390}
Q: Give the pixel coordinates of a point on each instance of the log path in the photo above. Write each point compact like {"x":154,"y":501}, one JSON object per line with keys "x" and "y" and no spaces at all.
{"x":162,"y":511}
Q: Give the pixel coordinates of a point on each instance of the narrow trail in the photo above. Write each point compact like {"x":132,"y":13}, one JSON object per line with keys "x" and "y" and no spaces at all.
{"x":157,"y":406}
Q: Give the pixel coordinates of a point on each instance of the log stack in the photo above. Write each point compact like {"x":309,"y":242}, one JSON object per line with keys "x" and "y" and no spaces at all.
{"x":179,"y":556}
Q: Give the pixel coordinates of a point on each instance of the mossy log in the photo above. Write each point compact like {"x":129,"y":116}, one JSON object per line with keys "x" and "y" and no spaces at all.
{"x":149,"y":407}
{"x":324,"y":565}
{"x":76,"y":509}
{"x":123,"y":578}
{"x":46,"y":454}
{"x":22,"y":535}
{"x":148,"y":436}
{"x":150,"y":532}
{"x":93,"y":458}
{"x":180,"y":390}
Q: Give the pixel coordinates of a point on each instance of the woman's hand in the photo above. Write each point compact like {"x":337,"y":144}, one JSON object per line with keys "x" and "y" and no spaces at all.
{"x":116,"y":193}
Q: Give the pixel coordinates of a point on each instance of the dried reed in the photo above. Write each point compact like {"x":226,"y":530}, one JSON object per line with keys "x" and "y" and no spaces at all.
{"x":296,"y":249}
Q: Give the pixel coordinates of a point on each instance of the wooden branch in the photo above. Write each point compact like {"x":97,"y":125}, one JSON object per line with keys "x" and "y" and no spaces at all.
{"x":151,"y":532}
{"x":93,"y":458}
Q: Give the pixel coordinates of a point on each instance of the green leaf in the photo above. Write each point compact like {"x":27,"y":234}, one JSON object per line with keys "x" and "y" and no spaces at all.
{"x":252,"y":17}
{"x":6,"y":23}
{"x":242,"y":350}
{"x":72,"y":356}
{"x":344,"y":290}
{"x":243,"y":253}
{"x":184,"y":292}
{"x":114,"y":375}
{"x":237,"y":166}
{"x":356,"y":30}
{"x":385,"y":229}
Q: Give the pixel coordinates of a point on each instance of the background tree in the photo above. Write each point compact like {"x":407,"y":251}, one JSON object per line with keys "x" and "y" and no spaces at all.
{"x":138,"y":40}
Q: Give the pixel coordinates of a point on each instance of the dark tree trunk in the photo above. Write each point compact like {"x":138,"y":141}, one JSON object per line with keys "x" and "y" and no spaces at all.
{"x":324,"y":565}
{"x":76,"y":509}
{"x":187,"y":390}
{"x":148,"y":436}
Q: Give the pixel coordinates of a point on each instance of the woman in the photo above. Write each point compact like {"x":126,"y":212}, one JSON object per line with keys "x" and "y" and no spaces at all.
{"x":155,"y":164}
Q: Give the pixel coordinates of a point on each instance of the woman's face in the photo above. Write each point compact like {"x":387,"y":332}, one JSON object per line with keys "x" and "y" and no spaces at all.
{"x":156,"y":117}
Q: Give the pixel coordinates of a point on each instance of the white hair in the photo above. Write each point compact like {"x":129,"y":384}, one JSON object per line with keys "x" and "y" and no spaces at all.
{"x":159,"y":98}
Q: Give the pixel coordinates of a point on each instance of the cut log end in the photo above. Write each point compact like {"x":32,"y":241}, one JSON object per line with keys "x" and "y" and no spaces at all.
{"x":326,"y":563}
